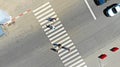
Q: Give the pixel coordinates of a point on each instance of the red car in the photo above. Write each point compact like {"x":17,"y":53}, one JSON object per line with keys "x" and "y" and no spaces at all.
{"x":102,"y":56}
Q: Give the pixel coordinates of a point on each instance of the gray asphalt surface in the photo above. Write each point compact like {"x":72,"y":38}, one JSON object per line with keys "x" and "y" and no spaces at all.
{"x":33,"y":50}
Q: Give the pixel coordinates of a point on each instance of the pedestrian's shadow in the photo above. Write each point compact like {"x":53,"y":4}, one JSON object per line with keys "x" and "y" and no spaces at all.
{"x":53,"y":49}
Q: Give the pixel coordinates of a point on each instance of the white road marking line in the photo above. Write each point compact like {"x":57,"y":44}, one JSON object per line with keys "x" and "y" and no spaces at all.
{"x":67,"y":54}
{"x":59,"y":34}
{"x":66,"y":42}
{"x":55,"y":28}
{"x":66,"y":46}
{"x":78,"y":57}
{"x":85,"y":66}
{"x":41,"y":7}
{"x":66,"y":64}
{"x":70,"y":45}
{"x":57,"y":23}
{"x":46,"y":29}
{"x":46,"y":16}
{"x":59,"y":38}
{"x":72,"y":65}
{"x":42,"y":23}
{"x":43,"y":14}
{"x":81,"y":64}
{"x":90,"y":9}
{"x":56,"y":32}
{"x":61,"y":54}
{"x":60,"y":51}
{"x":42,"y":10}
{"x":70,"y":58}
{"x":63,"y":40}
{"x":74,"y":51}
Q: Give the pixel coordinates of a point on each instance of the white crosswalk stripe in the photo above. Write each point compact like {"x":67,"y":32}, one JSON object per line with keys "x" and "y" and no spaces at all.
{"x":78,"y":62}
{"x":68,"y":54}
{"x":56,"y":32}
{"x":57,"y":35}
{"x":43,"y":14}
{"x":44,"y":18}
{"x":42,"y":10}
{"x":71,"y":44}
{"x":46,"y":21}
{"x":61,"y":54}
{"x":77,"y":58}
{"x":70,"y":57}
{"x":41,"y":7}
{"x":54,"y":41}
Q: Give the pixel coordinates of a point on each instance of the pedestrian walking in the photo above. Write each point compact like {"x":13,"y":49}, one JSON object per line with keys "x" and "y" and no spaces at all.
{"x":50,"y":26}
{"x":59,"y":46}
{"x":51,"y":19}
{"x":66,"y":48}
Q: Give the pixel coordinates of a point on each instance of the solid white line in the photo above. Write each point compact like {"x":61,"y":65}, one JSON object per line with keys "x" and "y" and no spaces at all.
{"x":56,"y":32}
{"x":43,"y":14}
{"x":68,"y":54}
{"x":78,"y":57}
{"x":90,"y":9}
{"x":46,"y":16}
{"x":72,"y":65}
{"x":58,"y":35}
{"x":70,"y":58}
{"x":42,"y":10}
{"x":59,"y":38}
{"x":80,"y":64}
{"x":63,"y":40}
{"x":42,"y":23}
{"x":55,"y":29}
{"x":41,"y":7}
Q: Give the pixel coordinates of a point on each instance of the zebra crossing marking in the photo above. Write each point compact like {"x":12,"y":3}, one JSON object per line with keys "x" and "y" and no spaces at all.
{"x":58,"y":36}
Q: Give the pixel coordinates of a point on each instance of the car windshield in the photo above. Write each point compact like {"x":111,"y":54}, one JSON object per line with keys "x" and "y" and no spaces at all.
{"x":114,"y":10}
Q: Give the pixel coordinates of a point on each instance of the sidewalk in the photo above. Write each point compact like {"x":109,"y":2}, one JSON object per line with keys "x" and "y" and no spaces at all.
{"x":112,"y":59}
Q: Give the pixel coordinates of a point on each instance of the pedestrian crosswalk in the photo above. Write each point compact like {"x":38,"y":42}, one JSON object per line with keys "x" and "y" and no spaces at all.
{"x":58,"y":35}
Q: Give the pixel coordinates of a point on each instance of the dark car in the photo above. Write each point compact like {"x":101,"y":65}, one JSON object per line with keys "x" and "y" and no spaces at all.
{"x":100,"y":2}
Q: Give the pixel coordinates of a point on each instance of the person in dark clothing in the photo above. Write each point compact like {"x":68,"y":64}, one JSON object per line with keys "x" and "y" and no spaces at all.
{"x":50,"y":26}
{"x":51,"y":19}
{"x":60,"y":46}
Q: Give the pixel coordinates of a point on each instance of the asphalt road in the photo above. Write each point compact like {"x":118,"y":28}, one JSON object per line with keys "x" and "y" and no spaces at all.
{"x":33,"y":50}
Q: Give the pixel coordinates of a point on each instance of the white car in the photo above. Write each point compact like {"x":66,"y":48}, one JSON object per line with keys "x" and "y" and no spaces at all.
{"x":112,"y":10}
